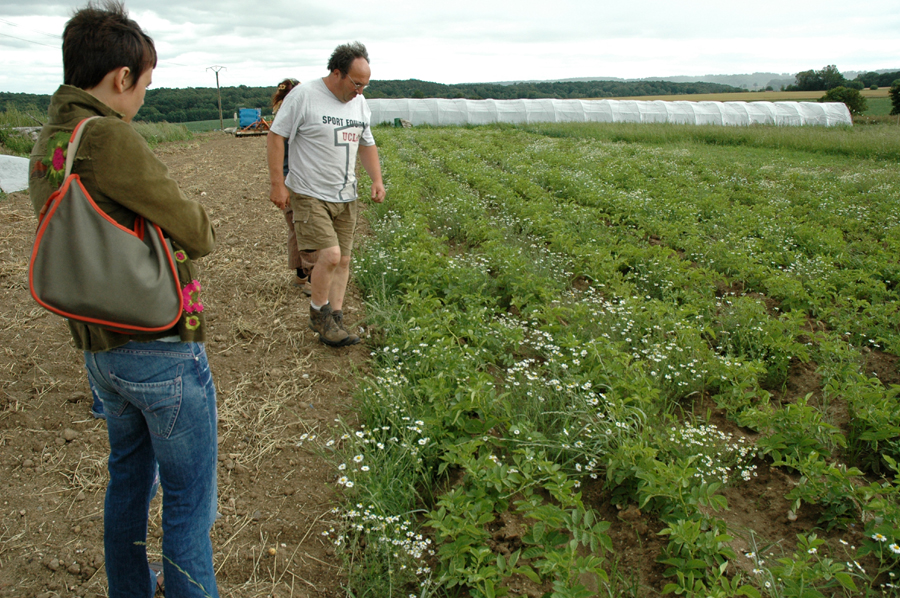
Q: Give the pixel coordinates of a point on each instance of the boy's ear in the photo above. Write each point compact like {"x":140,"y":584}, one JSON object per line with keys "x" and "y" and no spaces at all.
{"x":122,"y":79}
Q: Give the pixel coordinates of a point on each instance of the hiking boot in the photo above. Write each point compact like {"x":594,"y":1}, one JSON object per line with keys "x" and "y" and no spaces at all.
{"x":329,"y":332}
{"x":302,"y":283}
{"x":338,"y":317}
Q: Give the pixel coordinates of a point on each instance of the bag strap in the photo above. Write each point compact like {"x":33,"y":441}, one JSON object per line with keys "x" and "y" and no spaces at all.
{"x":74,"y":142}
{"x":71,"y":150}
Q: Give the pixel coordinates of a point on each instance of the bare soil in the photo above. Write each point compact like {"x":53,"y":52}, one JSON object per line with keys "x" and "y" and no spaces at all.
{"x":275,"y":383}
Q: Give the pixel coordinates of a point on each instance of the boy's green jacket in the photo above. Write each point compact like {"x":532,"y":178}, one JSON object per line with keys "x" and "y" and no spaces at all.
{"x":124,"y":178}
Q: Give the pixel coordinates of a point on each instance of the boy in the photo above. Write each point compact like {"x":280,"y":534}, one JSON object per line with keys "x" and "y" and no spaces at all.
{"x":156,"y":389}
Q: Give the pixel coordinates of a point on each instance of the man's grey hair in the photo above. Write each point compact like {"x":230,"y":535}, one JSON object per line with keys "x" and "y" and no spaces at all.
{"x":344,"y":55}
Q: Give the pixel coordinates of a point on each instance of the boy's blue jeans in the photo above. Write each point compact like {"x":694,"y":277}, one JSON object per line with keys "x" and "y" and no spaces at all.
{"x":160,"y":406}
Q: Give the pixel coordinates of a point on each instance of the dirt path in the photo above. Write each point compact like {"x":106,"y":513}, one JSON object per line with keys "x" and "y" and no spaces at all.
{"x":275,"y":383}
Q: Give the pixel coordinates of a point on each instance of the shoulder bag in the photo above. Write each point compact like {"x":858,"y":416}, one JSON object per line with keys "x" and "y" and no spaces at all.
{"x":87,"y":267}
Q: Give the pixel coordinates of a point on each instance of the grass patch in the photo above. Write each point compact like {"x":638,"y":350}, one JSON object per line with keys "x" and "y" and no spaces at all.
{"x":29,"y":117}
{"x":874,"y":143}
{"x":202,"y":126}
{"x":21,"y":144}
{"x":15,"y":142}
{"x":156,"y":133}
{"x":878,"y":106}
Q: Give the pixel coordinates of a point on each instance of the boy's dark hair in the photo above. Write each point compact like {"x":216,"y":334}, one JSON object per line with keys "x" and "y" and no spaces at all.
{"x":344,"y":55}
{"x":99,"y":39}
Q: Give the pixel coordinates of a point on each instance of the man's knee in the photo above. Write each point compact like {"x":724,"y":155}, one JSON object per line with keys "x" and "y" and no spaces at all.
{"x":329,"y":257}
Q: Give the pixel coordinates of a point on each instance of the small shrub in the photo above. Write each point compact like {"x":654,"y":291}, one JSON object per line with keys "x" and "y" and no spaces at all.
{"x":14,"y":117}
{"x":894,"y":92}
{"x":16,"y":143}
{"x":873,"y":87}
{"x":854,"y":100}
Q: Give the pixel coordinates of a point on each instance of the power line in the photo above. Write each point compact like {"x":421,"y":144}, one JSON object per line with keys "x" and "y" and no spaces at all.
{"x":31,"y":30}
{"x":21,"y":39}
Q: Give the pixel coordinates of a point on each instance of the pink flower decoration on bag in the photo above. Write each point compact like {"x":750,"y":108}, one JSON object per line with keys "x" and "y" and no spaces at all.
{"x":180,"y":255}
{"x":59,"y":159}
{"x":192,"y":322}
{"x":55,"y":158}
{"x":190,"y":297}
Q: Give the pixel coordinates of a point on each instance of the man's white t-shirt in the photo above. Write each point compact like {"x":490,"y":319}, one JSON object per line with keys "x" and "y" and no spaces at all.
{"x":324,"y":135}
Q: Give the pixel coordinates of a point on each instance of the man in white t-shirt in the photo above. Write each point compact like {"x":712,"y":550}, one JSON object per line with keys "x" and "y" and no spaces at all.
{"x":327,"y":122}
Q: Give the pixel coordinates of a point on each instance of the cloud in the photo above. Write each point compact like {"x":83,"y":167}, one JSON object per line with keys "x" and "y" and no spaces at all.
{"x":470,"y":40}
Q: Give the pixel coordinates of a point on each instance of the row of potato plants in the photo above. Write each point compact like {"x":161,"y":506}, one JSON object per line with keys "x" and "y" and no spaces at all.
{"x":548,"y":306}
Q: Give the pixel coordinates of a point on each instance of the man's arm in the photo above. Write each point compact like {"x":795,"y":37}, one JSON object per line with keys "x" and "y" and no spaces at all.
{"x":368,"y":155}
{"x":278,"y":193}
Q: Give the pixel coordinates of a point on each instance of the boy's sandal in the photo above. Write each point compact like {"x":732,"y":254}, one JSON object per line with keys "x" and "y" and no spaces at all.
{"x":157,"y":568}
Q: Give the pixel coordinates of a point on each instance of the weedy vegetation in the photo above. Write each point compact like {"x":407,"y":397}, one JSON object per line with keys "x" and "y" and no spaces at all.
{"x":18,"y":143}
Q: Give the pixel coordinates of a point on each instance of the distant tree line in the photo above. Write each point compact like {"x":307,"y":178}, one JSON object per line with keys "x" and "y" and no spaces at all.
{"x":170,"y":105}
{"x":878,"y":79}
{"x":830,"y":78}
{"x":201,"y":103}
{"x":25,"y":102}
{"x":414,"y":88}
{"x":838,"y":89}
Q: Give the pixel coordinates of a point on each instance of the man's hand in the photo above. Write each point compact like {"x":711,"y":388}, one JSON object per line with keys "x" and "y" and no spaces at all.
{"x":279,"y":196}
{"x":278,"y":193}
{"x":368,"y":156}
{"x":378,"y":192}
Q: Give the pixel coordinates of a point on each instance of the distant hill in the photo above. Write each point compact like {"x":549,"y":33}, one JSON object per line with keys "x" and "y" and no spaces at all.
{"x":752,"y":81}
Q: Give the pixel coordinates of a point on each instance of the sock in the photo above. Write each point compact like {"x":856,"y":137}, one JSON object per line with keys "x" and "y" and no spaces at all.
{"x":316,"y":307}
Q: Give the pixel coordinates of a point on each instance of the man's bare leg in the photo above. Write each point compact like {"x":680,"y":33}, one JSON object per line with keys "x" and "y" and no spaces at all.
{"x":339,"y":284}
{"x":323,"y":275}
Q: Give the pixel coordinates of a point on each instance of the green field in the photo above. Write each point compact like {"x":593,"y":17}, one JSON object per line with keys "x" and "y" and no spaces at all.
{"x":878,"y":106}
{"x":201,"y":126}
{"x":570,"y":317}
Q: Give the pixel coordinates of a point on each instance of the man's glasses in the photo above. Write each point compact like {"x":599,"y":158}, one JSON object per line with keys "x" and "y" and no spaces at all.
{"x":357,"y":85}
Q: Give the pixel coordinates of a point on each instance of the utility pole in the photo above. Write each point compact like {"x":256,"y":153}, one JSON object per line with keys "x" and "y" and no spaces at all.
{"x":216,"y":69}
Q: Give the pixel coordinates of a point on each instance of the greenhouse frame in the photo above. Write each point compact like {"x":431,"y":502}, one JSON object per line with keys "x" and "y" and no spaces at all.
{"x":439,"y":111}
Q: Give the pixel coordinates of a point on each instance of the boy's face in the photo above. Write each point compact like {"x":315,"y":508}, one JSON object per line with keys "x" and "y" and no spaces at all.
{"x":133,"y":98}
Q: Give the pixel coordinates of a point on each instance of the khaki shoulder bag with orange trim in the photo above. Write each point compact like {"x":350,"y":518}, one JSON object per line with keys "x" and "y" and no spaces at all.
{"x":87,"y":267}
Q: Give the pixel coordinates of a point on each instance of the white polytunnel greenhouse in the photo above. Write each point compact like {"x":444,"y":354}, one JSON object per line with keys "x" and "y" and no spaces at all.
{"x":439,"y":111}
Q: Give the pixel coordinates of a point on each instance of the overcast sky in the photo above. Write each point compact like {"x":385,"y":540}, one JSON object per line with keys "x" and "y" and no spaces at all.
{"x":460,"y":41}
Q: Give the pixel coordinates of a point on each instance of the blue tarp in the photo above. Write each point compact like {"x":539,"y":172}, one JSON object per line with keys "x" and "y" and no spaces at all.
{"x":248,"y":116}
